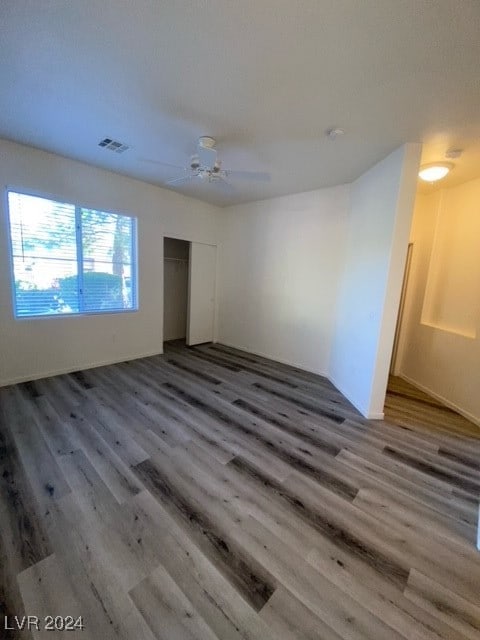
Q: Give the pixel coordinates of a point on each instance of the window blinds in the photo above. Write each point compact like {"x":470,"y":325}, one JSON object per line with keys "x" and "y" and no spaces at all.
{"x":69,"y":259}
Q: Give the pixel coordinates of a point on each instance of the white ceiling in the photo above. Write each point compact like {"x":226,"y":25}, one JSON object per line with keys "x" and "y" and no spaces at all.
{"x":265,"y":77}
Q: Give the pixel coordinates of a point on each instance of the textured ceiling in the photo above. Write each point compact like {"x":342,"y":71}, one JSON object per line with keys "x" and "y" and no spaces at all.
{"x":265,"y":77}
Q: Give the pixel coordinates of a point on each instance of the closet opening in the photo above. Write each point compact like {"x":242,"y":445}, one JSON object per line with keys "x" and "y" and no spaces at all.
{"x":176,"y":256}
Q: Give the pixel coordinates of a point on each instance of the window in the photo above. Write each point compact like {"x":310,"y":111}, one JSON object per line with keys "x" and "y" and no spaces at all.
{"x":68,"y":259}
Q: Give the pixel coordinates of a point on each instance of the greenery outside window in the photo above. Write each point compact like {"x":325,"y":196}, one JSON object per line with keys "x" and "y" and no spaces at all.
{"x":68,"y":259}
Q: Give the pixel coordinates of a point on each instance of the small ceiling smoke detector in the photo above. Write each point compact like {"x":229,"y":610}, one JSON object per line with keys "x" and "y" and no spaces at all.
{"x":334,"y":132}
{"x":113,"y":145}
{"x":453,"y":153}
{"x":434,"y":171}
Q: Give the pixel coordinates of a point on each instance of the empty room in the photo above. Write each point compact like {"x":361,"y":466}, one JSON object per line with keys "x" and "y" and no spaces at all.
{"x":240,"y":319}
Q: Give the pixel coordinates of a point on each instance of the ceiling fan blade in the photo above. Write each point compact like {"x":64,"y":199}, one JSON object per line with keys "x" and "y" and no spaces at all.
{"x":224,"y":185}
{"x":256,"y":176}
{"x":163,"y":164}
{"x":179,"y":181}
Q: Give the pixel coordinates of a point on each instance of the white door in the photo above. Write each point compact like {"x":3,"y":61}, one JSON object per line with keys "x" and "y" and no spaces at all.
{"x":201,"y":294}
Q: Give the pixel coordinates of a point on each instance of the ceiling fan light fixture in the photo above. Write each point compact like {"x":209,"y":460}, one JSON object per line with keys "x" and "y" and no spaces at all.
{"x":434,"y":171}
{"x":194,"y":162}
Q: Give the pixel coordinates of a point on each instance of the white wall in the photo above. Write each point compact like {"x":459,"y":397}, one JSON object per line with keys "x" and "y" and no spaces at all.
{"x":312,"y":279}
{"x":279,"y":267}
{"x":39,"y":347}
{"x":439,"y":347}
{"x":381,"y":206}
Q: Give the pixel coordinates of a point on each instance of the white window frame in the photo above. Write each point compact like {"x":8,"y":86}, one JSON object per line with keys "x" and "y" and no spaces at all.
{"x":79,"y":255}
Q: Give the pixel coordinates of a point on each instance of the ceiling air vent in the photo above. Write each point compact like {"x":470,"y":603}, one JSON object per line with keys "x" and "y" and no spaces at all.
{"x":113,"y":145}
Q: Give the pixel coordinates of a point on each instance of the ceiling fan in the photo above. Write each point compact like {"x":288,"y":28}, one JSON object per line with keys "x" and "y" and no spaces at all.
{"x":205,"y":166}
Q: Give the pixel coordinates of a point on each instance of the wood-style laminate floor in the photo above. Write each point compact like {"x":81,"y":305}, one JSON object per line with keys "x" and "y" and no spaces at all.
{"x":211,"y":494}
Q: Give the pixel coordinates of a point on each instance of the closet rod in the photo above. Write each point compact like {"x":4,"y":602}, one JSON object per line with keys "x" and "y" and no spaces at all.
{"x":177,"y":259}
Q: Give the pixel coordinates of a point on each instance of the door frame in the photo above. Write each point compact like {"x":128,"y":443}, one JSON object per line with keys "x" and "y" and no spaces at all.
{"x":401,"y":310}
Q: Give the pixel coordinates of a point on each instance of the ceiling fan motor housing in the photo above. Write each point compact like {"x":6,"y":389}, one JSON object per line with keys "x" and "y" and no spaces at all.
{"x":206,"y":142}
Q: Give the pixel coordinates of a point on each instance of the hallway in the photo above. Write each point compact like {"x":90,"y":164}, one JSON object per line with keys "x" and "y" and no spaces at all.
{"x":406,"y":403}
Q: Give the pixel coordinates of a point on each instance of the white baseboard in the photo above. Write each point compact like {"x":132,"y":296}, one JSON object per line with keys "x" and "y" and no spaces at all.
{"x":273,"y":358}
{"x":323,"y":374}
{"x":442,"y":399}
{"x":78,"y":367}
{"x":375,"y":415}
